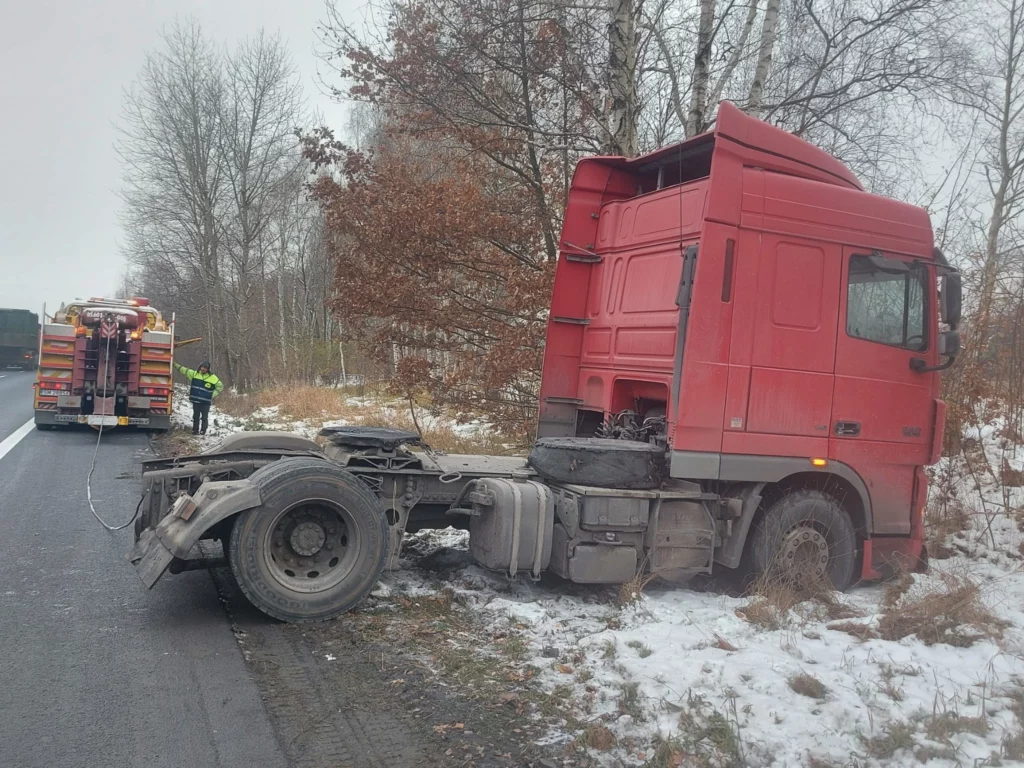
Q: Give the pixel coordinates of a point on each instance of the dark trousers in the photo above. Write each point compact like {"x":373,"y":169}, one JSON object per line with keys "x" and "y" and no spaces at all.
{"x":200,"y":413}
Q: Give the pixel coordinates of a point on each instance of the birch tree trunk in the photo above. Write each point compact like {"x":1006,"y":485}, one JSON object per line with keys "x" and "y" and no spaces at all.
{"x":737,"y":54}
{"x":769,"y":28}
{"x":696,"y":121}
{"x":622,"y":51}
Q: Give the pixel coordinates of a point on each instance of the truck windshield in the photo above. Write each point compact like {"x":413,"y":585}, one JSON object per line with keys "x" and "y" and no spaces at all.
{"x":886,"y":302}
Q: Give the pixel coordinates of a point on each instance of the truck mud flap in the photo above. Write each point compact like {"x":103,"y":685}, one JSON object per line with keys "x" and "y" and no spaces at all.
{"x":150,"y":558}
{"x":189,"y":518}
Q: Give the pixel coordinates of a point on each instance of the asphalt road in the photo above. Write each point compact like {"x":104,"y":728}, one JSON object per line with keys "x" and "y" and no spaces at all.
{"x":95,"y":670}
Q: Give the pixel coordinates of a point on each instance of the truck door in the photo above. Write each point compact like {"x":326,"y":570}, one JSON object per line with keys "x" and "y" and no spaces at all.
{"x":793,"y":353}
{"x":882,"y":408}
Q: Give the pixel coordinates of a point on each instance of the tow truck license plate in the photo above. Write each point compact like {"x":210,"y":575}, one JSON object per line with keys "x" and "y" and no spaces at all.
{"x":51,"y":392}
{"x":105,"y":421}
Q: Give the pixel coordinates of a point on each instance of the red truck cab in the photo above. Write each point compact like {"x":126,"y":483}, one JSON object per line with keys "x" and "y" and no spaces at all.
{"x":741,"y":372}
{"x":782,"y":320}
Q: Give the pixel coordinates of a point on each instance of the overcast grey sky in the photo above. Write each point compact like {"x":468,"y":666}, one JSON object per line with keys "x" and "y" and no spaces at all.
{"x":63,"y":66}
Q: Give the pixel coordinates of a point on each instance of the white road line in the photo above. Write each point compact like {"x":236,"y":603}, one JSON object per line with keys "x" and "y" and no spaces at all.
{"x":16,"y":437}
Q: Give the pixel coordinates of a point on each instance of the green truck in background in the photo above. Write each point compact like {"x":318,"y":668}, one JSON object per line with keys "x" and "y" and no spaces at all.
{"x":19,"y":338}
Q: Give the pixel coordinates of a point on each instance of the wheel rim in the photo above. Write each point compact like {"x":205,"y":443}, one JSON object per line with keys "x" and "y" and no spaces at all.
{"x":804,"y":554}
{"x":311,"y":546}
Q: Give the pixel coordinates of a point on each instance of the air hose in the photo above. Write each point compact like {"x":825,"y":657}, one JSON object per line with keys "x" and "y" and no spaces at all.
{"x":96,"y":450}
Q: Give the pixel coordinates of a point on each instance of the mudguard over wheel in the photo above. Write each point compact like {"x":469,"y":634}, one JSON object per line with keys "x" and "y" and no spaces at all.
{"x":263,"y":441}
{"x":316,"y":546}
{"x":806,"y":536}
{"x":599,"y":462}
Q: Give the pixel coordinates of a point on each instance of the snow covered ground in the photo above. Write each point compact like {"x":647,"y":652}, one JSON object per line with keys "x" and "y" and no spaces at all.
{"x":680,"y":661}
{"x":684,"y":677}
{"x":681,"y":677}
{"x":271,"y":418}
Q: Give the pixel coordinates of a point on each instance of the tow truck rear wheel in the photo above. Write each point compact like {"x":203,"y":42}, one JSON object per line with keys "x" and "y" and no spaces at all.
{"x":316,"y":546}
{"x":806,"y":539}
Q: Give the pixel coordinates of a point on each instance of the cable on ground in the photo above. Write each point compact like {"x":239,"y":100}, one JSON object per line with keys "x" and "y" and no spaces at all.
{"x":95,"y":452}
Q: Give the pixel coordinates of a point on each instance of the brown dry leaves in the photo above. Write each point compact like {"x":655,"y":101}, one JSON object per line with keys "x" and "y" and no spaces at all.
{"x":439,"y":271}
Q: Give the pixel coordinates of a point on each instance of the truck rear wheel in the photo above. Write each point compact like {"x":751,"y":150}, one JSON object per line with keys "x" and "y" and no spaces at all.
{"x":316,"y":546}
{"x":805,"y":538}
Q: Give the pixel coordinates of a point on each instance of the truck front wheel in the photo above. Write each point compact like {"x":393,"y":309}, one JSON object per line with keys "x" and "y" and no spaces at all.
{"x":805,"y":538}
{"x":316,"y":546}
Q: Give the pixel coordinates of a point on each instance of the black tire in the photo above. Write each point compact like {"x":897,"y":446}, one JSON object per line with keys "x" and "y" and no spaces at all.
{"x":825,"y":529}
{"x":44,"y":427}
{"x":599,"y":462}
{"x":291,"y":489}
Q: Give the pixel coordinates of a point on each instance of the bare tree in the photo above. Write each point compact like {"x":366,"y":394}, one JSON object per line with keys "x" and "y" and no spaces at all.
{"x":215,"y":216}
{"x":696,"y":120}
{"x":173,"y":175}
{"x":1000,"y":103}
{"x":622,"y":53}
{"x":262,"y":106}
{"x":764,"y":55}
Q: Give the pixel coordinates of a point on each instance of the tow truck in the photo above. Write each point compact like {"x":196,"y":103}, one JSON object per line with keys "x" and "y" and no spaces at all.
{"x":741,"y":371}
{"x":105,"y":363}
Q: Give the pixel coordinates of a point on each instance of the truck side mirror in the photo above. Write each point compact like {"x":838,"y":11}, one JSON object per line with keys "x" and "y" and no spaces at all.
{"x":948,"y":346}
{"x":951,"y":299}
{"x":949,"y":343}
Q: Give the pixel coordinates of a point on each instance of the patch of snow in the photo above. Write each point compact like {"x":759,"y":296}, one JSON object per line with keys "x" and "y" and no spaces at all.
{"x":691,"y":654}
{"x":221,"y":424}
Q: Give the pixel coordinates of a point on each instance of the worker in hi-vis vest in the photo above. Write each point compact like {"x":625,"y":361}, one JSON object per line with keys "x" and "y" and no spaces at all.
{"x":203,"y":387}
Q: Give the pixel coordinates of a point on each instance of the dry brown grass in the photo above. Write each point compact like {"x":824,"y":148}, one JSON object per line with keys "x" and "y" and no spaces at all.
{"x":772,"y":598}
{"x":895,"y":736}
{"x":762,"y":613}
{"x":946,"y":514}
{"x":297,"y":402}
{"x":722,"y":644}
{"x":1010,"y":477}
{"x":177,"y":442}
{"x":809,"y":686}
{"x":597,"y":737}
{"x":316,"y":405}
{"x":861,"y":631}
{"x":1013,"y":740}
{"x":631,"y":591}
{"x":896,"y":589}
{"x":944,"y":725}
{"x":952,"y":612}
{"x":941,"y":524}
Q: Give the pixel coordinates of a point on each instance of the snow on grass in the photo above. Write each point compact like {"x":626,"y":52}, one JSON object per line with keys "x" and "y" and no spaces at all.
{"x":683,"y":673}
{"x":683,"y":677}
{"x":327,"y":408}
{"x":262,"y":419}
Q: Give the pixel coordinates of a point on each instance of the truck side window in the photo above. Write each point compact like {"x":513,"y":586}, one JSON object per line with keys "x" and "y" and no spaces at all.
{"x":885,"y":302}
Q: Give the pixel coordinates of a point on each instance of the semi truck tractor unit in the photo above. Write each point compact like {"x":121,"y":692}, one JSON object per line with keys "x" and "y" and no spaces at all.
{"x":741,"y":372}
{"x":19,"y":338}
{"x":105,"y":362}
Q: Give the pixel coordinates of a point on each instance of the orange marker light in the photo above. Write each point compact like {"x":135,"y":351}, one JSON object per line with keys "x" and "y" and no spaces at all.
{"x":819,"y":462}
